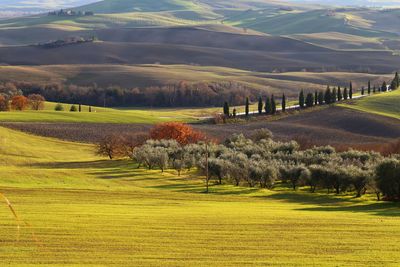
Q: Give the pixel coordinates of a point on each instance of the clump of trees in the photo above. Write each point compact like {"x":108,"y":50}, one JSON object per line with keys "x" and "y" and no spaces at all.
{"x":20,"y":102}
{"x":259,"y":161}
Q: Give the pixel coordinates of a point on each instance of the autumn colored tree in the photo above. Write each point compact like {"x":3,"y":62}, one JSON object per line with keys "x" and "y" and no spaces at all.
{"x":36,"y":101}
{"x":4,"y":103}
{"x":19,"y":102}
{"x":182,"y":133}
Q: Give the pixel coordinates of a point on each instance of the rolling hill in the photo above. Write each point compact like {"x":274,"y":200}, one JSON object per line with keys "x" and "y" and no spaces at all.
{"x":387,"y":104}
{"x":127,"y":76}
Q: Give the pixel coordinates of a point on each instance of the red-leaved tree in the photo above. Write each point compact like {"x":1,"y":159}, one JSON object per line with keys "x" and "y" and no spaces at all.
{"x":182,"y":133}
{"x":19,"y":102}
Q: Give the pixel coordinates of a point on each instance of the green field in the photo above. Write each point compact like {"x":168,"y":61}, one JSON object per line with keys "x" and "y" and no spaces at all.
{"x":387,"y":104}
{"x":84,"y":209}
{"x":104,"y":115}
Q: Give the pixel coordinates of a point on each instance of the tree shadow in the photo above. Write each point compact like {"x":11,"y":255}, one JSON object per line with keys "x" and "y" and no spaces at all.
{"x":332,"y":203}
{"x":379,"y":209}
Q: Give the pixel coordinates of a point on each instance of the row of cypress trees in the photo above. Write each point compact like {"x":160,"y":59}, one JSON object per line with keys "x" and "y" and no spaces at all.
{"x":329,"y":96}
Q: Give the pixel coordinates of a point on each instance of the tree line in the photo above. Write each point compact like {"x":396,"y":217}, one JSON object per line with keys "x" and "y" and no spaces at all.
{"x":259,"y":161}
{"x":176,"y":95}
{"x":268,"y":105}
{"x":20,"y":102}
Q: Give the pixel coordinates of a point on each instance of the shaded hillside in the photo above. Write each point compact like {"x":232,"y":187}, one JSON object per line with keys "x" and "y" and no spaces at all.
{"x":334,"y":125}
{"x":128,"y":76}
{"x":141,"y":53}
{"x":205,"y":38}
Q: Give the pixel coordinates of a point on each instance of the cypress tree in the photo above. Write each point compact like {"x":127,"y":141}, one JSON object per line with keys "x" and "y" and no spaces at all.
{"x":384,"y":87}
{"x":321,"y":98}
{"x":393,"y":85}
{"x":268,"y":109}
{"x":396,"y":81}
{"x":301,"y":99}
{"x":345,"y":94}
{"x":339,"y":94}
{"x":226,"y":109}
{"x":374,"y":90}
{"x":369,"y":87}
{"x":80,"y":108}
{"x":90,"y":109}
{"x":316,"y":98}
{"x":309,"y":100}
{"x":362,"y":90}
{"x":283,"y":103}
{"x":260,"y":105}
{"x":247,"y":108}
{"x":328,"y":96}
{"x":351,"y":91}
{"x":334,"y":95}
{"x":273,"y":105}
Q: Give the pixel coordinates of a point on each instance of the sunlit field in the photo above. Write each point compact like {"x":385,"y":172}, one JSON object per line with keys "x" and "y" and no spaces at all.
{"x":84,"y":209}
{"x":387,"y":104}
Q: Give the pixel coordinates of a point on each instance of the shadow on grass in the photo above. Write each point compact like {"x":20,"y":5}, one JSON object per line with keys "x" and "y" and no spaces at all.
{"x":200,"y":188}
{"x":332,"y":203}
{"x":123,"y":169}
{"x":379,"y":208}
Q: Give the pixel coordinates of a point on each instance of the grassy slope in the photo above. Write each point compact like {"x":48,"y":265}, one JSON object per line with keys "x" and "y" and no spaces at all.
{"x":387,"y":104}
{"x":102,"y":115}
{"x":86,"y":210}
{"x":314,"y":21}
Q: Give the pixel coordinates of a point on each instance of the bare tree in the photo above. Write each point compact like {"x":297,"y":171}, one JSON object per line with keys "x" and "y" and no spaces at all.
{"x":110,"y":146}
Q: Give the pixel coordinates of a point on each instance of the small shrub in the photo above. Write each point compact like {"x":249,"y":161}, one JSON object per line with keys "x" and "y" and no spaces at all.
{"x":59,"y":107}
{"x":73,"y":109}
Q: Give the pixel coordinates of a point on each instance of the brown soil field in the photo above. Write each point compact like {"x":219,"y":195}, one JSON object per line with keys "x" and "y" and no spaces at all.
{"x":330,"y":126}
{"x":334,"y":126}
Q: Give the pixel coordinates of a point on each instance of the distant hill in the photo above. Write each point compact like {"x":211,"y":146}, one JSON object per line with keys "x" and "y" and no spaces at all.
{"x":35,"y":5}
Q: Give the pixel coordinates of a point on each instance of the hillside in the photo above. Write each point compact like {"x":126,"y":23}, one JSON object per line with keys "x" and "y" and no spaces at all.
{"x":83,"y":208}
{"x":272,"y":17}
{"x":387,"y":104}
{"x":140,"y":53}
{"x":128,"y":76}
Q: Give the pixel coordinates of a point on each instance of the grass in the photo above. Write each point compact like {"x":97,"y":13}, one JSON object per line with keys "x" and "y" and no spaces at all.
{"x":102,"y":115}
{"x":87,"y":210}
{"x":382,"y":104}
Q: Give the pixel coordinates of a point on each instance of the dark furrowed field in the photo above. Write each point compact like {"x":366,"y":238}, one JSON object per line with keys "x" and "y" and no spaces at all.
{"x":334,"y":125}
